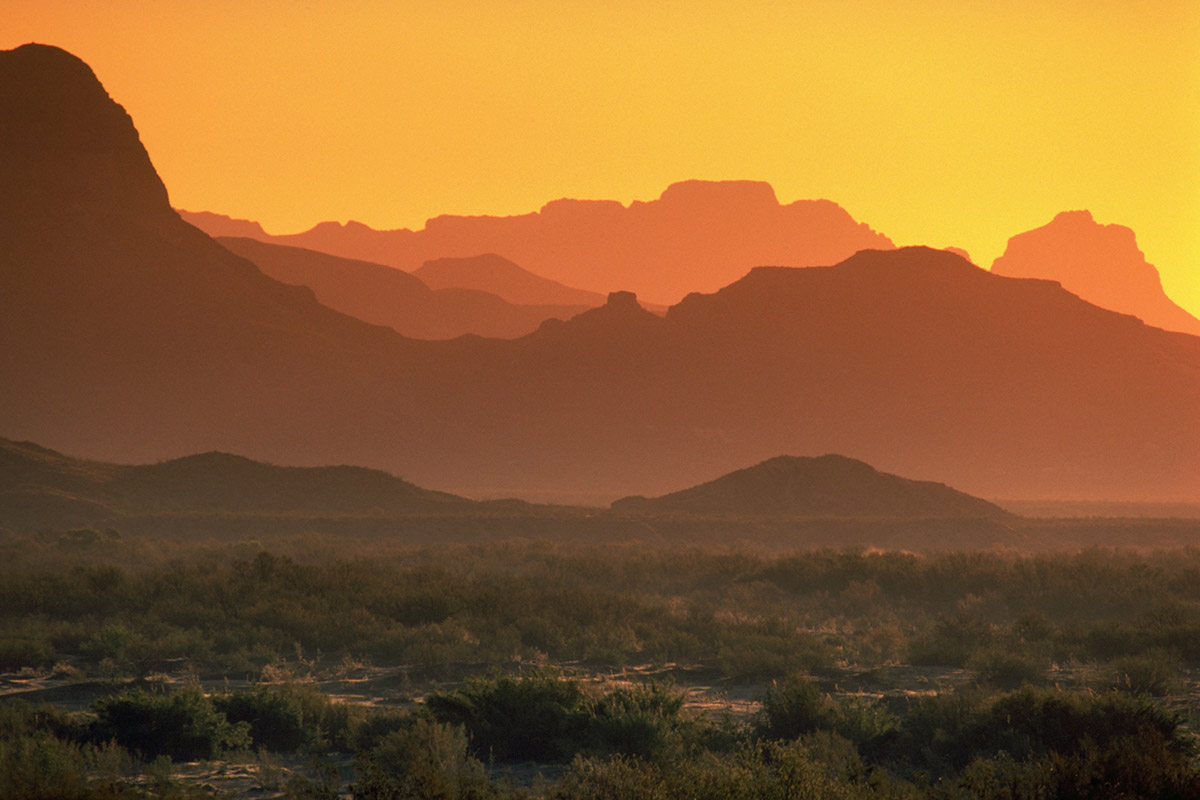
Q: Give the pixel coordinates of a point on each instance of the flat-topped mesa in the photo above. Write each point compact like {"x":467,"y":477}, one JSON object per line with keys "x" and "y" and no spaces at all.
{"x":719,"y":195}
{"x":623,"y":301}
{"x":66,"y":143}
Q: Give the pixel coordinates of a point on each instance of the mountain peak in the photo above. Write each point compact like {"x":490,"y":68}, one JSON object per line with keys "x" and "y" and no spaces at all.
{"x":65,"y":141}
{"x":1100,"y":263}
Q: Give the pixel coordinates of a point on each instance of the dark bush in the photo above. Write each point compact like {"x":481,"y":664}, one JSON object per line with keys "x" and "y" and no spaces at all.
{"x":18,"y":652}
{"x":943,"y":734}
{"x":951,"y":641}
{"x":276,"y":718}
{"x":755,"y":771}
{"x":550,"y":719}
{"x":182,"y":725}
{"x":640,"y":720}
{"x":793,"y":708}
{"x":1007,"y":668}
{"x":424,"y":760}
{"x":1154,"y":673}
{"x":538,"y":717}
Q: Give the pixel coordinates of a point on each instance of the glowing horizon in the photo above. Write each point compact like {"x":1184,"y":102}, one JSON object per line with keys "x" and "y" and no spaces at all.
{"x":946,"y":124}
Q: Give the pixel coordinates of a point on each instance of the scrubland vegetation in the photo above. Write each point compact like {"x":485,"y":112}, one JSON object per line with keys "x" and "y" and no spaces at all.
{"x":517,"y":669}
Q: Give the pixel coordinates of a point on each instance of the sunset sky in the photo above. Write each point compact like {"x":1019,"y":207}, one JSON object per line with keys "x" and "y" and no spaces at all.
{"x":940,"y":123}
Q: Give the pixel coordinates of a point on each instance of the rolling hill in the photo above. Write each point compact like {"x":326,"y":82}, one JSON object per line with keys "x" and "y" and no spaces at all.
{"x":44,"y":488}
{"x":827,"y":486}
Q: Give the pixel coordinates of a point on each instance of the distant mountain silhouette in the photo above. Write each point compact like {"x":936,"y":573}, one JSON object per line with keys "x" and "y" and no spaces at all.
{"x":698,"y":236}
{"x":828,"y":486}
{"x":44,"y":487}
{"x":222,"y":226}
{"x":498,"y":275}
{"x":387,"y":296}
{"x":128,"y":335}
{"x":1100,"y":263}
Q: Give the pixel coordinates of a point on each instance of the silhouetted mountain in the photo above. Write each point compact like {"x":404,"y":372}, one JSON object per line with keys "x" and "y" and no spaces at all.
{"x":387,"y":296}
{"x":1100,"y":263}
{"x":124,"y":331}
{"x":128,"y":335}
{"x":501,"y":277}
{"x":44,"y":488}
{"x":828,"y":486}
{"x":699,"y":235}
{"x":913,"y":359}
{"x":220,"y":225}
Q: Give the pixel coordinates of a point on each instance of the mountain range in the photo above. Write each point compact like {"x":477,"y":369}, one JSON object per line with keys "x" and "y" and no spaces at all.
{"x":697,"y":236}
{"x":130,"y":335}
{"x":1100,"y":263}
{"x":387,"y":296}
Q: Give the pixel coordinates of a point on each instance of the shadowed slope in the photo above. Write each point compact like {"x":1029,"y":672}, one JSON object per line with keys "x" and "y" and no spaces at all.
{"x":388,"y":296}
{"x":828,"y":486}
{"x":1100,"y":263}
{"x":698,"y":235}
{"x":126,"y":331}
{"x":501,"y":277}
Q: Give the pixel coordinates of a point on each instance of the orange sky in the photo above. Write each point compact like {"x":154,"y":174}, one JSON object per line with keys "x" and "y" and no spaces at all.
{"x":941,"y":123}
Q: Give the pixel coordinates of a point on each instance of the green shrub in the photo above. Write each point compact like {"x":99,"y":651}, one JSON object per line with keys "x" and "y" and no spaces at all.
{"x":951,"y":641}
{"x":1008,"y":669}
{"x":1154,"y":673}
{"x":19,"y":718}
{"x":425,"y":760}
{"x":182,"y":725}
{"x":371,"y":730}
{"x":289,"y":717}
{"x":537,"y":717}
{"x":551,"y":719}
{"x":943,"y":734}
{"x":1130,"y":766}
{"x":42,"y":758}
{"x":275,"y":718}
{"x":37,"y":767}
{"x":640,"y":720}
{"x":22,"y":651}
{"x":862,"y":720}
{"x":794,"y":708}
{"x":798,"y":707}
{"x":756,"y":771}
